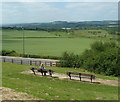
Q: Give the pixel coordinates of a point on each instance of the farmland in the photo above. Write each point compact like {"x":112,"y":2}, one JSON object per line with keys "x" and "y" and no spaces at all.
{"x":43,"y":43}
{"x":51,"y":43}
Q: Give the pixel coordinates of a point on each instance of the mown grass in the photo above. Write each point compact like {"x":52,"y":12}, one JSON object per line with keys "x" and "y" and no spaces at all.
{"x":54,"y":89}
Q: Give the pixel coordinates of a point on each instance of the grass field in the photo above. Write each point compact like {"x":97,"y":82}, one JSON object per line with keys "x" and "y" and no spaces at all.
{"x":54,"y":89}
{"x":44,"y":43}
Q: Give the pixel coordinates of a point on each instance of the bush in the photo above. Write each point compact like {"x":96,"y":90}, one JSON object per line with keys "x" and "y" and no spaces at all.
{"x":14,"y":53}
{"x":102,"y":58}
{"x":103,"y":61}
{"x":9,"y":53}
{"x":70,"y":60}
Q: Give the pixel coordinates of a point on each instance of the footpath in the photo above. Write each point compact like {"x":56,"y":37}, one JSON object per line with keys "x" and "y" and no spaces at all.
{"x":64,"y":76}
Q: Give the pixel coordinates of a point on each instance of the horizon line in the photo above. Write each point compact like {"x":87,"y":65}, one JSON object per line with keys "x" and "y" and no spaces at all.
{"x":58,"y":21}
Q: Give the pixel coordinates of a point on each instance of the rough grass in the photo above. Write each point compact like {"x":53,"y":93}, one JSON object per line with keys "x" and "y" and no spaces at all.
{"x":54,"y":89}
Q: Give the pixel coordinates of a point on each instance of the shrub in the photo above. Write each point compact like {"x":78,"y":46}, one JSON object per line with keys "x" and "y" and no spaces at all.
{"x":103,"y":61}
{"x":70,"y":60}
{"x":102,"y":58}
{"x":9,"y":53}
{"x":14,"y":53}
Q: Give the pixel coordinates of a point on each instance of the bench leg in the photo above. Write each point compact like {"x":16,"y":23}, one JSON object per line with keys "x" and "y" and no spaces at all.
{"x":44,"y":73}
{"x":50,"y":74}
{"x":33,"y":71}
{"x":91,"y":79}
{"x":69,"y":75}
{"x":80,"y":78}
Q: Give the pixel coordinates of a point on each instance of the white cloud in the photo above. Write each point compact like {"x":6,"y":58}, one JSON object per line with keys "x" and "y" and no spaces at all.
{"x":90,"y":5}
{"x":94,"y":11}
{"x":28,"y":12}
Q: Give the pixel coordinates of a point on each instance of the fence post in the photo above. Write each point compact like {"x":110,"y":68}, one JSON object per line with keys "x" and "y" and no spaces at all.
{"x":45,"y":63}
{"x":12,"y":60}
{"x":3,"y":59}
{"x":39,"y":62}
{"x":21,"y":61}
{"x":50,"y":63}
{"x":30,"y":62}
{"x":35,"y":62}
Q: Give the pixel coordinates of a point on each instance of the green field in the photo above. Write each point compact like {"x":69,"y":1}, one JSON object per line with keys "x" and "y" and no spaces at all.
{"x":55,"y":89}
{"x":44,"y":43}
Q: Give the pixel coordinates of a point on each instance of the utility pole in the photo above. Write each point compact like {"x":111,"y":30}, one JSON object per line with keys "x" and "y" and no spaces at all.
{"x":23,"y":41}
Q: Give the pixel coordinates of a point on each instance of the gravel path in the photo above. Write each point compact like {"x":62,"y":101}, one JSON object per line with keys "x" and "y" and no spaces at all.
{"x":63,"y":76}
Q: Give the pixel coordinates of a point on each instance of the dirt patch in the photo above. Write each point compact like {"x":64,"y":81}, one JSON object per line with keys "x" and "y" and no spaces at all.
{"x":63,"y":76}
{"x":10,"y":94}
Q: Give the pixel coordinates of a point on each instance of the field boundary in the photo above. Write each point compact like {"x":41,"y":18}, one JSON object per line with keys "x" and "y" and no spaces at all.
{"x":29,"y":61}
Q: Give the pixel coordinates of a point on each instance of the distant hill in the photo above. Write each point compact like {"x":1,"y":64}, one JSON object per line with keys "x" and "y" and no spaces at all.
{"x":65,"y":24}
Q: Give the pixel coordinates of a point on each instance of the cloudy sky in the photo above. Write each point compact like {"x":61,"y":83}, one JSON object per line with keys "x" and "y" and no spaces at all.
{"x":34,"y":11}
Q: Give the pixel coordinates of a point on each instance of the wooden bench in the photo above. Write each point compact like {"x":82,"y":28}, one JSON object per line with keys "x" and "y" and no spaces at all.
{"x":42,"y":71}
{"x":81,"y":75}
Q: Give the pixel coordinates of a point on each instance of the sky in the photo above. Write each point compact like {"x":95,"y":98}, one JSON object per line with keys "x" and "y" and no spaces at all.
{"x":18,"y":11}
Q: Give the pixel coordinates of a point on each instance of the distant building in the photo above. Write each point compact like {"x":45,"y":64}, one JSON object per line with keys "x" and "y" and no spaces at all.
{"x":66,"y":28}
{"x":70,"y":28}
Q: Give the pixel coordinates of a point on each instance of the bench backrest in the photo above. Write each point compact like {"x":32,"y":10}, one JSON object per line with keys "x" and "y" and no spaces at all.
{"x":82,"y":74}
{"x":76,"y":73}
{"x":47,"y":70}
